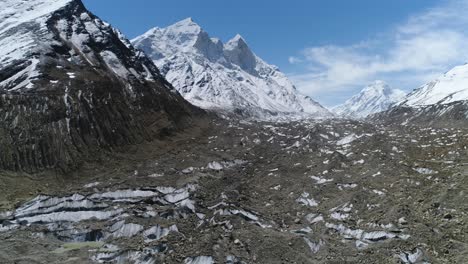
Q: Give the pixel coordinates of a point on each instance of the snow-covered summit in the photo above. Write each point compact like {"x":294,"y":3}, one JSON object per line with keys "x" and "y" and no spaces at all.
{"x":183,"y":36}
{"x":220,"y":76}
{"x":450,"y":87}
{"x":374,"y":98}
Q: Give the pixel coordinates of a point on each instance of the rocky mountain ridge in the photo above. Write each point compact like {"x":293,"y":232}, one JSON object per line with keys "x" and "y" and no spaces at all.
{"x":71,"y":84}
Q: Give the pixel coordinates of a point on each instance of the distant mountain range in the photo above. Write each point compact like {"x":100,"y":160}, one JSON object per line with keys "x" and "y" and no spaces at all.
{"x":227,"y":77}
{"x":445,"y":97}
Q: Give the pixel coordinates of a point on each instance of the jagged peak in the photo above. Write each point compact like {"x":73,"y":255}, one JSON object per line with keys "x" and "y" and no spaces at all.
{"x":216,"y":41}
{"x":188,"y":20}
{"x":238,"y":38}
{"x":236,"y":42}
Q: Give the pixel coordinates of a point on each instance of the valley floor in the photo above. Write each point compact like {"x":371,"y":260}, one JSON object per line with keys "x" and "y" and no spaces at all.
{"x":239,"y":192}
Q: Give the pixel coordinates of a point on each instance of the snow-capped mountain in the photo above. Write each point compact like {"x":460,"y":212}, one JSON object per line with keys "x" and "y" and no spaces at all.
{"x":450,"y":87}
{"x":374,"y":98}
{"x":70,"y":83}
{"x":229,"y":76}
{"x":441,"y":102}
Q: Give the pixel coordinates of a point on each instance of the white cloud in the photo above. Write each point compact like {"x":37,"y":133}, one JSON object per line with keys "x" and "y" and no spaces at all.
{"x":294,"y":60}
{"x":426,"y":45}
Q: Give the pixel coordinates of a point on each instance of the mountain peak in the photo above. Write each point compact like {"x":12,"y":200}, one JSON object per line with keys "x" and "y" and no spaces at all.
{"x":238,"y":38}
{"x":238,"y":52}
{"x":375,"y":97}
{"x":237,"y":42}
{"x":186,"y":26}
{"x":188,"y":20}
{"x":377,"y":87}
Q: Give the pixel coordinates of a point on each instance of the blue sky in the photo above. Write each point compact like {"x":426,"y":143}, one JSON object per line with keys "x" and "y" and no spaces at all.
{"x":330,"y":49}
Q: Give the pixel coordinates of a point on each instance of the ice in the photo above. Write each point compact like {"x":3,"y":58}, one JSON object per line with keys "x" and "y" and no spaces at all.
{"x":314,"y":247}
{"x":199,"y":260}
{"x":188,"y":170}
{"x":91,"y":185}
{"x":359,"y":162}
{"x":347,"y":140}
{"x":346,"y":232}
{"x":363,"y":236}
{"x":377,"y":235}
{"x":314,"y":218}
{"x":305,"y":200}
{"x":97,"y":206}
{"x":124,"y":194}
{"x":72,"y":216}
{"x":166,"y":190}
{"x":245,"y":214}
{"x":215,"y":166}
{"x":415,"y":256}
{"x":50,"y":204}
{"x":320,"y":180}
{"x":425,"y":171}
{"x":177,"y":196}
{"x":120,"y":229}
{"x":157,"y":232}
{"x":361,"y":245}
{"x":347,"y":186}
{"x":378,"y":192}
{"x":218,"y":166}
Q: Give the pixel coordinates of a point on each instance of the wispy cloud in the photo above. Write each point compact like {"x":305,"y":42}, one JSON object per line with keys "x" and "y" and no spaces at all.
{"x":414,"y":52}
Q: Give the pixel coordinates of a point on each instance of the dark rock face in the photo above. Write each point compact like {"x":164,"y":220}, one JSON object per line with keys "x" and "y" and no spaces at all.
{"x":94,"y":92}
{"x":439,"y":115}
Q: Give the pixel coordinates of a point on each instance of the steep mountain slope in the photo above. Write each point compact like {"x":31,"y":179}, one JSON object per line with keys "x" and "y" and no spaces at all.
{"x":450,"y":87}
{"x":71,"y":84}
{"x":374,"y":98}
{"x":220,"y":76}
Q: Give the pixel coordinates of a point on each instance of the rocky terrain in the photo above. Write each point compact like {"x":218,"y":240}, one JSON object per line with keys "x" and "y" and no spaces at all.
{"x":437,"y":115}
{"x":72,"y":86}
{"x":103,"y":161}
{"x":240,"y":192}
